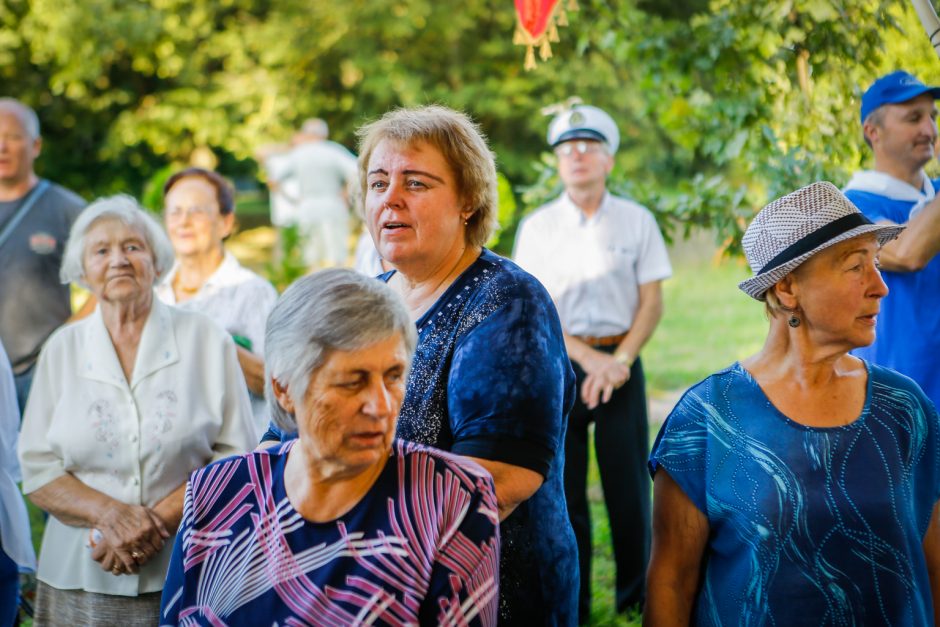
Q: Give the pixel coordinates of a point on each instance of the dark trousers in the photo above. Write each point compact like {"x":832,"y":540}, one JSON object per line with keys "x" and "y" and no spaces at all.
{"x":621,"y":441}
{"x":9,"y":590}
{"x":23,"y":383}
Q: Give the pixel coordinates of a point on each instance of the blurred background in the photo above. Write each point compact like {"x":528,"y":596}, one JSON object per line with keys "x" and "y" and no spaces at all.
{"x":722,"y":105}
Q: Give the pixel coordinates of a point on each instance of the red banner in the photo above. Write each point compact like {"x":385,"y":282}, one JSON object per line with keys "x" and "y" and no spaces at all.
{"x":534,"y":15}
{"x":537,"y":26}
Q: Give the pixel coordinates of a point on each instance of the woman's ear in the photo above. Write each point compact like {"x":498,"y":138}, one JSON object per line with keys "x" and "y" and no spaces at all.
{"x":787,"y":292}
{"x":282,"y":396}
{"x":466,"y":214}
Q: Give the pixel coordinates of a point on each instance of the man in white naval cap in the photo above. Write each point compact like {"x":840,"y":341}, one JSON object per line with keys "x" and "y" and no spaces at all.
{"x":603,"y":260}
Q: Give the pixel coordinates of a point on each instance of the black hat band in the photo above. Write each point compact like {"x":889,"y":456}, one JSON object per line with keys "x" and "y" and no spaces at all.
{"x":816,"y":239}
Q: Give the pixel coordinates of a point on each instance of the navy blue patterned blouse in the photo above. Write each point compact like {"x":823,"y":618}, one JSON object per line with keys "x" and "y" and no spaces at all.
{"x":807,"y":525}
{"x":491,"y":379}
{"x":420,"y":547}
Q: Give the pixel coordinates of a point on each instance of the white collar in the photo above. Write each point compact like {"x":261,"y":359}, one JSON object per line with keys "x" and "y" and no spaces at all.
{"x":157,"y":348}
{"x":568,"y":203}
{"x":228,"y":268}
{"x":890,"y":187}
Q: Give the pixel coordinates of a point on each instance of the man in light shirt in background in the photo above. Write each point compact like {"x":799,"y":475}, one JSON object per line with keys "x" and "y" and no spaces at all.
{"x":602,"y":259}
{"x":322,"y":172}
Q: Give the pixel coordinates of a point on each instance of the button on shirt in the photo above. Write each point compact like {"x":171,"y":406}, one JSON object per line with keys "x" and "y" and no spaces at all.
{"x":593,"y":267}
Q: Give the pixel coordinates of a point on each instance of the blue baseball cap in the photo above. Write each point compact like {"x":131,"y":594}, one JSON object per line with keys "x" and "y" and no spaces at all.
{"x":894,"y":88}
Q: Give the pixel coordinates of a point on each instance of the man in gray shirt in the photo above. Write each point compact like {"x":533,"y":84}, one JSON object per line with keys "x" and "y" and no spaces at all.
{"x":35,"y":218}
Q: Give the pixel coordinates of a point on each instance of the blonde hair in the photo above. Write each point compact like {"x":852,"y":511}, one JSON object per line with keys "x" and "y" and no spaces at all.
{"x":460,"y":142}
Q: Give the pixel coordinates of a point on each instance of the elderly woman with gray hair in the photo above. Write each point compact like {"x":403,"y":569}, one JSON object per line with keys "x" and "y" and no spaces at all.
{"x":800,"y":486}
{"x":125,"y":404}
{"x":345,"y":524}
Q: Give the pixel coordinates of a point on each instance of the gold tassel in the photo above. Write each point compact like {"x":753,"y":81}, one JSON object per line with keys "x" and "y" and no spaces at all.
{"x":545,"y":50}
{"x":562,"y":17}
{"x":529,"y":59}
{"x":572,"y":5}
{"x":518,"y":39}
{"x":553,"y":34}
{"x":802,"y":72}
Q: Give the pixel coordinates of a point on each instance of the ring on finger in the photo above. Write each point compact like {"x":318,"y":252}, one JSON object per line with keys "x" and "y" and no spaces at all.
{"x":136,"y":554}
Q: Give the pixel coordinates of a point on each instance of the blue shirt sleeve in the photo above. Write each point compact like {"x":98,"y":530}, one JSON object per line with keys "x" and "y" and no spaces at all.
{"x":681,"y":448}
{"x":510,"y":385}
{"x":275,"y":434}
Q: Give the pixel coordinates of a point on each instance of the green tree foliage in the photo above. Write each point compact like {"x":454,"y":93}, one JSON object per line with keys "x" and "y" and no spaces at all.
{"x":721,"y":103}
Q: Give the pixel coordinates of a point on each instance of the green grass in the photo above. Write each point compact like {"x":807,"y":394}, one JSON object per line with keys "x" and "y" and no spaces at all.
{"x":708,"y":323}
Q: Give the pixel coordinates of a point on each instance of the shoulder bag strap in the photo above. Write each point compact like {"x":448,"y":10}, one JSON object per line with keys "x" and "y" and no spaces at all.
{"x":14,"y":221}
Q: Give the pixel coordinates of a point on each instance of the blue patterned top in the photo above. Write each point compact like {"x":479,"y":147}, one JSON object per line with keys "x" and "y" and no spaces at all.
{"x":807,"y":525}
{"x":491,"y":378}
{"x":421,"y":547}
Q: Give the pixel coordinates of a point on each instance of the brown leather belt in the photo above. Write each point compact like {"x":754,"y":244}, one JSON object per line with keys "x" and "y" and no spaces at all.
{"x":607,"y":340}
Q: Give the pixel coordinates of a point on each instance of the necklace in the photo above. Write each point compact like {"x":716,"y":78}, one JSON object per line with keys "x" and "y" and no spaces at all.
{"x":178,"y":286}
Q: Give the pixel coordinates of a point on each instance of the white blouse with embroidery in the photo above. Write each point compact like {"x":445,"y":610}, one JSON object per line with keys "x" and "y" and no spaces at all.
{"x":186,"y":406}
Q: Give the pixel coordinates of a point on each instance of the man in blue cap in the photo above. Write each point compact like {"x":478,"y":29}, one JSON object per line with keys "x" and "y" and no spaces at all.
{"x":602,"y":259}
{"x":899,"y":120}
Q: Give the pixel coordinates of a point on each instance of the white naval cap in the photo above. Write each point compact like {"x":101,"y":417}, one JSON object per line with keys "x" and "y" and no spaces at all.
{"x":584,"y":122}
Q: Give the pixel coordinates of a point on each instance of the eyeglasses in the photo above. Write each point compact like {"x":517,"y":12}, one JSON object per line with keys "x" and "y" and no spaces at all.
{"x":177,"y":212}
{"x":582,"y":148}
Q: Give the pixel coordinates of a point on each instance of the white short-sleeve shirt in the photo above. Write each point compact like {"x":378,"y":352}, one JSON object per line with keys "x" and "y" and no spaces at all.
{"x":239,"y":301}
{"x":186,"y":406}
{"x":593,"y":267}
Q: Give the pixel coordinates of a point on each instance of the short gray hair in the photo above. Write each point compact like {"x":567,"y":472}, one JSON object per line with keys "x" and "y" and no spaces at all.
{"x":316,"y":127}
{"x":126,"y":210}
{"x":875,"y":118}
{"x":335,"y":309}
{"x":28,"y":118}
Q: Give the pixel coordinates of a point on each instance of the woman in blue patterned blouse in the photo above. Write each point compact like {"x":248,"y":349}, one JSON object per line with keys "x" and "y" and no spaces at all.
{"x":800,"y":485}
{"x":491,"y":379}
{"x":344,"y":525}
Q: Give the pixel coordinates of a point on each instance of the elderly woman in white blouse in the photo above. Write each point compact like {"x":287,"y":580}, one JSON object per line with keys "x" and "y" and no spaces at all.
{"x":199,"y":214}
{"x":125,"y":404}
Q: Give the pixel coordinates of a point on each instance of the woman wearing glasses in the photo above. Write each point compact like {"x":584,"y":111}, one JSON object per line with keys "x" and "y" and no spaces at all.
{"x":199,"y":214}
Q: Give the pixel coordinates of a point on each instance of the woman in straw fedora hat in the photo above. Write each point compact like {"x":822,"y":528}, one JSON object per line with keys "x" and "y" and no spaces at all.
{"x":801,"y":484}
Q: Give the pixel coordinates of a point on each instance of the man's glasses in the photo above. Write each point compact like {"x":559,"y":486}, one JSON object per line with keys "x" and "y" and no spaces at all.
{"x":582,"y":148}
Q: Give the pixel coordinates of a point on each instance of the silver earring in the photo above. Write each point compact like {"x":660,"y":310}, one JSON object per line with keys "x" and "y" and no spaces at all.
{"x":794,"y":322}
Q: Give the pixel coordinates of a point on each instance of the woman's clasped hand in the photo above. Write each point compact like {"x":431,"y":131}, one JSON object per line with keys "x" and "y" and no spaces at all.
{"x":130,"y":536}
